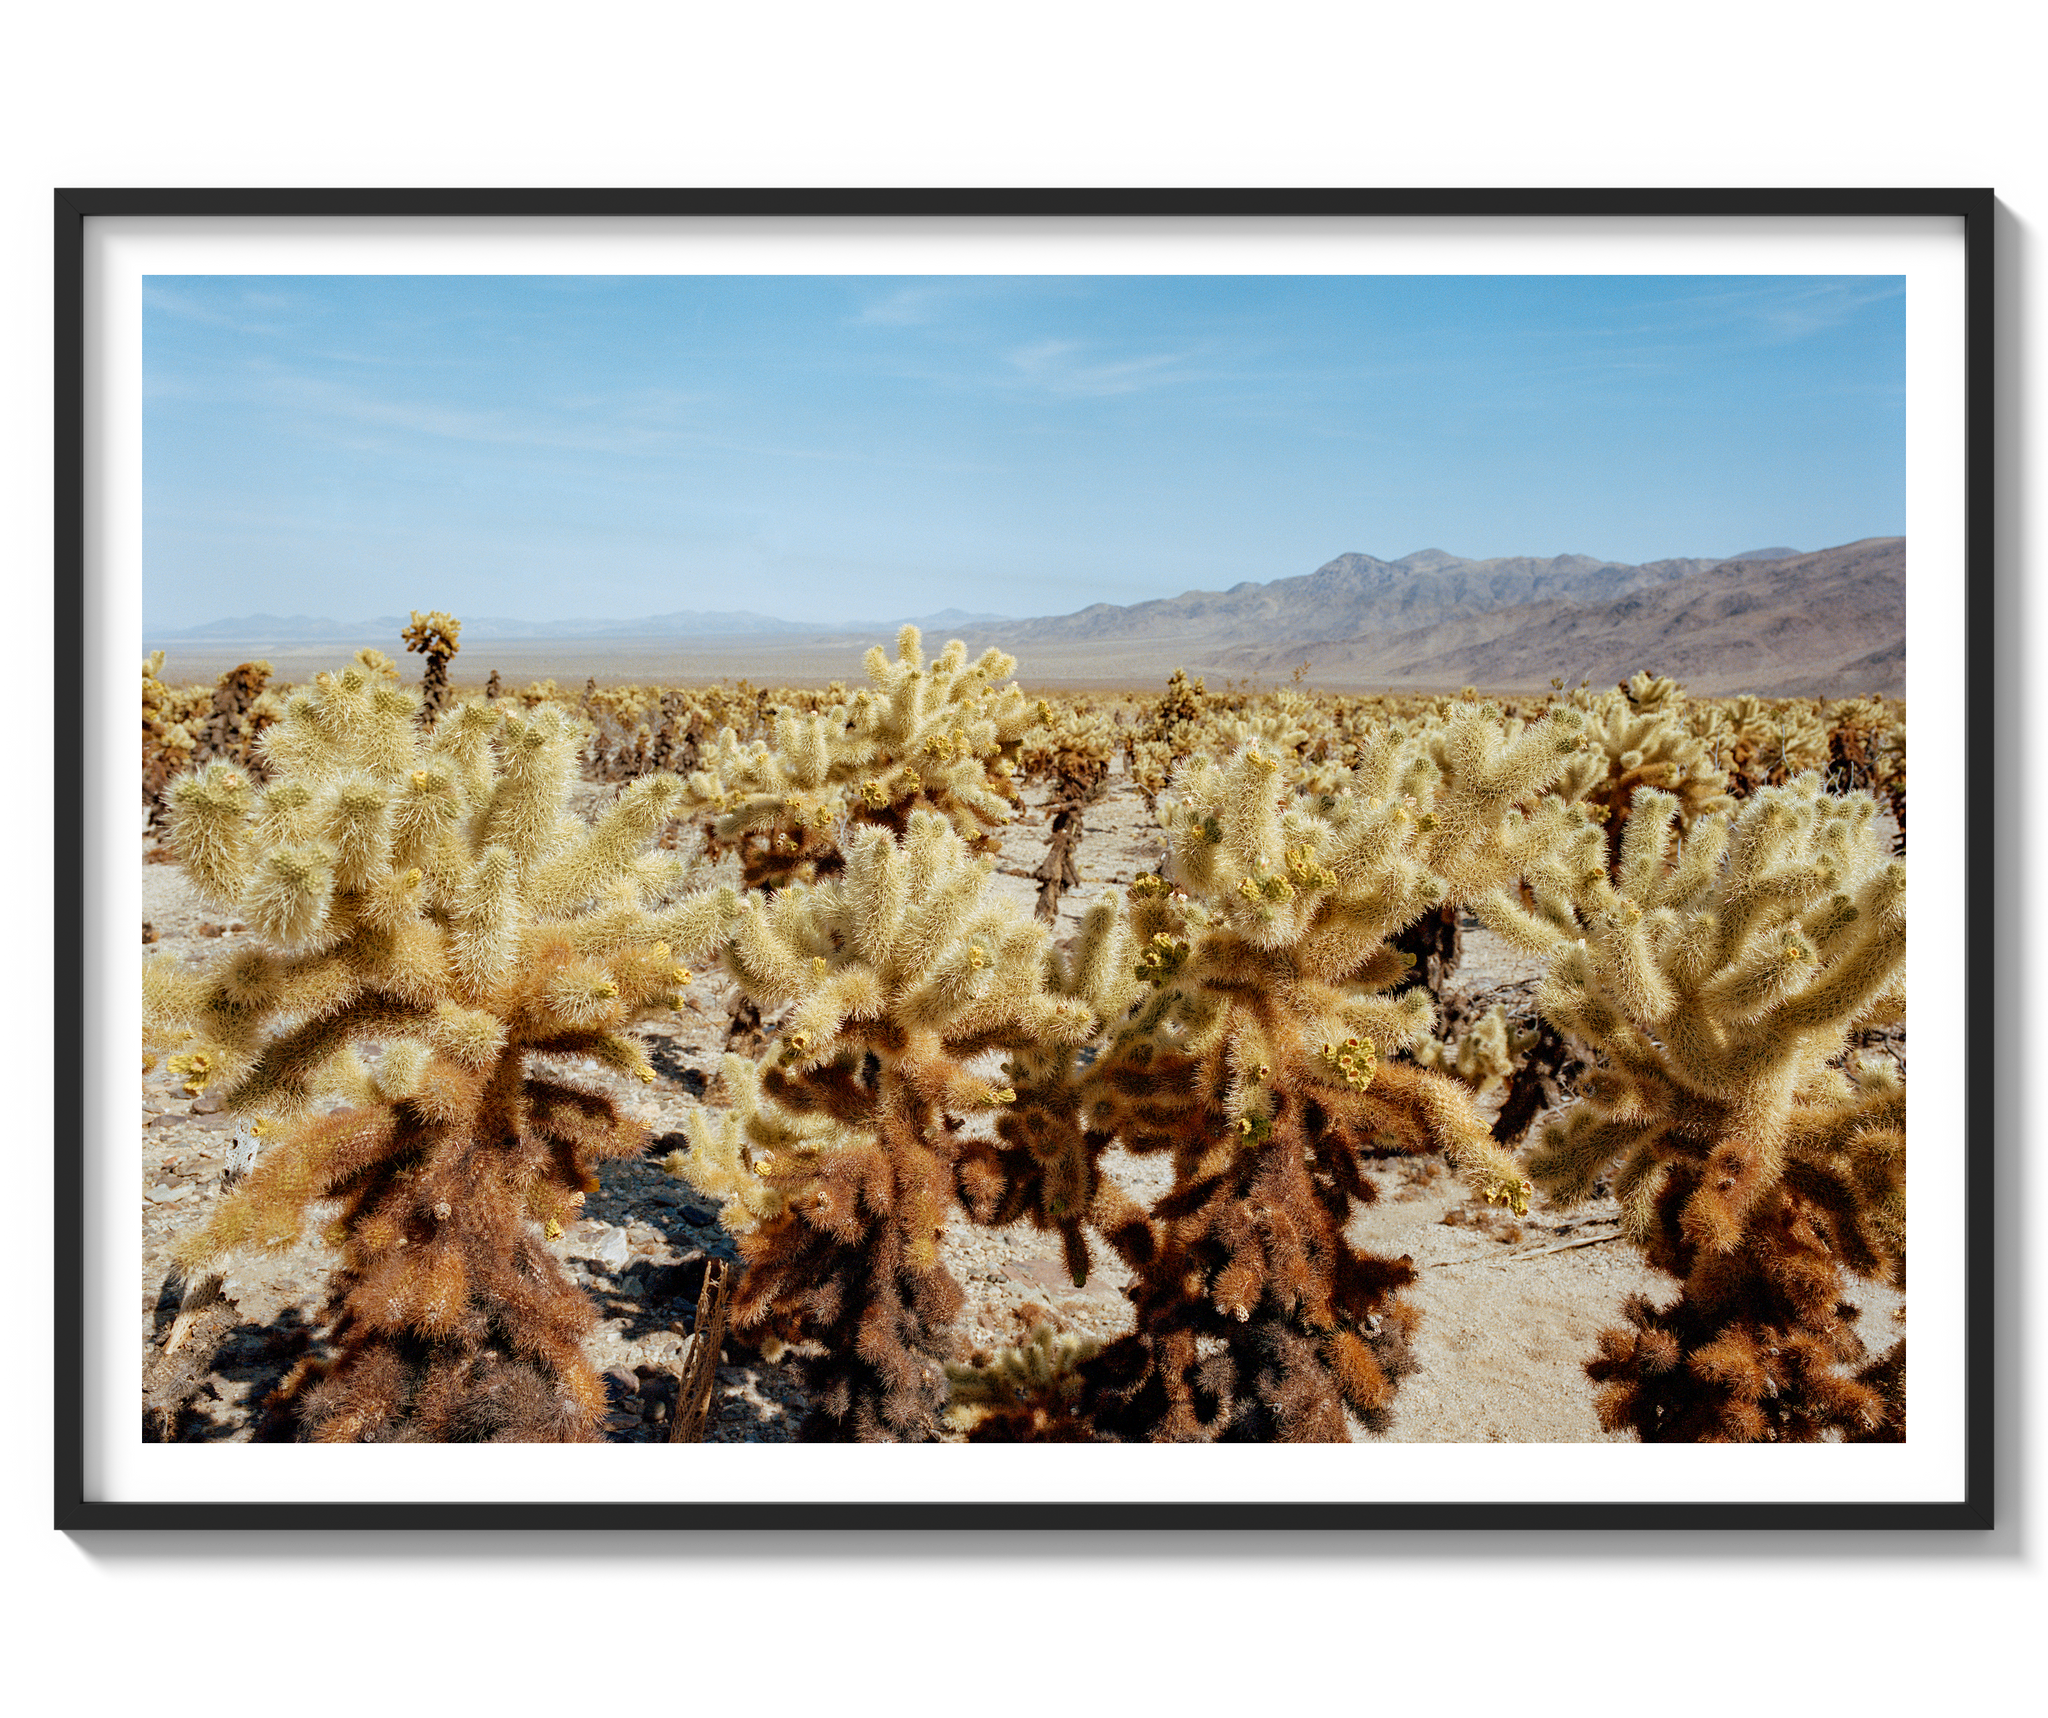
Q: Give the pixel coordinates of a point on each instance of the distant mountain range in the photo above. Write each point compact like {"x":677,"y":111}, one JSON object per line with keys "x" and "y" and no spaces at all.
{"x":490,"y":629}
{"x":1356,"y":596}
{"x":1828,"y":623}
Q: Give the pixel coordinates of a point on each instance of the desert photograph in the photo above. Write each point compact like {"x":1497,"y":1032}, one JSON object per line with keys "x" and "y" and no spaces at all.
{"x":1023,"y":858}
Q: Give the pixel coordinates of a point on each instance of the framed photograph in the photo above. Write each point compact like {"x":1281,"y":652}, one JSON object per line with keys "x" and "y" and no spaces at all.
{"x":1022,"y":859}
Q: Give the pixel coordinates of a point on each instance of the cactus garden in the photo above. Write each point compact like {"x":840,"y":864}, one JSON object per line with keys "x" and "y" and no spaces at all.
{"x":1150,"y":1064}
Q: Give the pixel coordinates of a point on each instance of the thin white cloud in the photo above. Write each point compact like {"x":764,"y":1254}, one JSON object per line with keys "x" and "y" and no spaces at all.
{"x":1063,"y":368}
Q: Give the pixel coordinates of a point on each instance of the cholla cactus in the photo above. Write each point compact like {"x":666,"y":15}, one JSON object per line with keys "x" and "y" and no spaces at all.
{"x":426,"y":891}
{"x":1485,"y":1057}
{"x":241,"y":710}
{"x":1867,"y":749}
{"x":905,"y":973}
{"x":1024,"y":1395}
{"x":1637,"y":738}
{"x":940,"y":738}
{"x":1717,"y":990}
{"x":1267,"y":1061}
{"x":434,"y":635}
{"x":1179,"y":711}
{"x":1069,"y":748}
{"x":168,"y":717}
{"x":1649,"y":692}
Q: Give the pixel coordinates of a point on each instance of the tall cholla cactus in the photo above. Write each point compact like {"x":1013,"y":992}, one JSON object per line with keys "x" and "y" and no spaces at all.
{"x":1717,"y":989}
{"x":1637,"y":739}
{"x":838,"y":1168}
{"x":435,"y":636}
{"x":1266,"y":1061}
{"x":939,"y":738}
{"x":426,"y":890}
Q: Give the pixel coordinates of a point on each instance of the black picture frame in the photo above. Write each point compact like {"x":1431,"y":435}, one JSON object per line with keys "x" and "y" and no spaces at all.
{"x":74,"y":207}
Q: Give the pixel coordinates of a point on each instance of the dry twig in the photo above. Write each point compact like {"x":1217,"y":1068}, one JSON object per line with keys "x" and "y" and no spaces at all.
{"x":699,"y":1369}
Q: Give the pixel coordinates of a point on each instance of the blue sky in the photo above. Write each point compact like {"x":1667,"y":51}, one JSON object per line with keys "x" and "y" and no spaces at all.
{"x":836,"y":448}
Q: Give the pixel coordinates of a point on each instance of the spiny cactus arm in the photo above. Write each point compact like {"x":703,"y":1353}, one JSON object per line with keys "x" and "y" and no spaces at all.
{"x":536,"y":756}
{"x":353,"y":820}
{"x":289,"y":894}
{"x":1575,"y":999}
{"x":209,"y":831}
{"x":1646,"y":848}
{"x":285,"y":1075}
{"x":804,"y":743}
{"x":1485,"y":767}
{"x":1097,"y":969}
{"x":774,"y":947}
{"x":173,"y":996}
{"x":1537,"y":932}
{"x":851,"y":996}
{"x":222,"y":1012}
{"x":560,"y":988}
{"x":301,"y":1164}
{"x":1454,"y":1125}
{"x":1575,"y":1150}
{"x":577,"y":1125}
{"x":1369,"y":848}
{"x":1850,"y":1157}
{"x":1751,"y":907}
{"x":928,"y":900}
{"x":1861,"y":974}
{"x":461,"y":746}
{"x":1386,"y":1024}
{"x":487,"y":923}
{"x":285,"y":813}
{"x":756,"y":1154}
{"x":699,"y":923}
{"x":605,"y":854}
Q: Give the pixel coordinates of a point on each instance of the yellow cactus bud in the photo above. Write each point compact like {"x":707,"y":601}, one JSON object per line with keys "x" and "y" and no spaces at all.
{"x":198,"y":1068}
